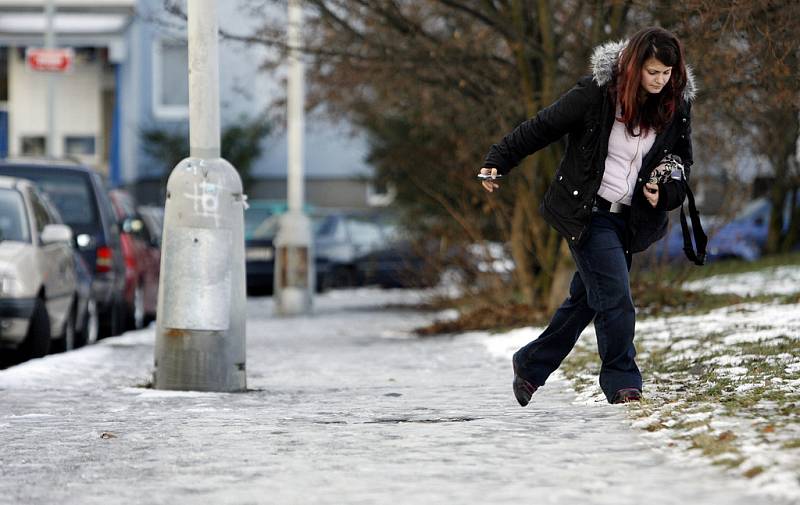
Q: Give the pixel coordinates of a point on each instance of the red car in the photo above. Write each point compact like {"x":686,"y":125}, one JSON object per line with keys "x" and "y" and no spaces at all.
{"x":142,"y":261}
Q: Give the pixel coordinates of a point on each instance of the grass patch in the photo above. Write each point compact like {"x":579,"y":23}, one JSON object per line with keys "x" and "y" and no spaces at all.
{"x":715,"y":445}
{"x":756,"y":470}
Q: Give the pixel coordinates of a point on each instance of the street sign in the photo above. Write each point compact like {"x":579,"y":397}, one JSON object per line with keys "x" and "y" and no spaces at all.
{"x":49,"y":60}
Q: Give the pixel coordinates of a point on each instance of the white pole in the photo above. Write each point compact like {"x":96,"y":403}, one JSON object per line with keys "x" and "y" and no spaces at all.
{"x":50,"y":43}
{"x":204,"y":128}
{"x":294,"y":262}
{"x":295,"y":107}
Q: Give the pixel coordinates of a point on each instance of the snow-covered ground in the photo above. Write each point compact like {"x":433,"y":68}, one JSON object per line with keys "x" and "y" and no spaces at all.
{"x":783,"y":280}
{"x":722,"y":386}
{"x":346,"y":406}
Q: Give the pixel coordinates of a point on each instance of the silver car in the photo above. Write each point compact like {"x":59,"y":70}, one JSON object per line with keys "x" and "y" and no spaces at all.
{"x":37,"y":272}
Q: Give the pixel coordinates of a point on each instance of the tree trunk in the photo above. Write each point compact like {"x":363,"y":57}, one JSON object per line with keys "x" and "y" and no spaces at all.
{"x":781,"y":143}
{"x":562,"y":275}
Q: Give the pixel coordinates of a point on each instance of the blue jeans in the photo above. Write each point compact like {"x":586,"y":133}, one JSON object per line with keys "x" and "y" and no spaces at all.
{"x":600,"y":290}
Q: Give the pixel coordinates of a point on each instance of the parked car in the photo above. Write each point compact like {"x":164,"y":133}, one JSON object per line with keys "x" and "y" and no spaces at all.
{"x":142,"y":261}
{"x":153,"y":218}
{"x":340,"y":240}
{"x":396,"y":263}
{"x":259,"y":210}
{"x":87,"y":318}
{"x":37,"y":272}
{"x":743,"y":237}
{"x":362,"y":249}
{"x":670,"y":248}
{"x":79,"y":194}
{"x":260,"y":258}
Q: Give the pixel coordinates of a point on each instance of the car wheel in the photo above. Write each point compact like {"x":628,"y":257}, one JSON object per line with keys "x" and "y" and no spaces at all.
{"x":343,"y":276}
{"x":118,"y":312}
{"x":137,"y":314}
{"x":37,"y":341}
{"x":112,"y":321}
{"x":67,"y":340}
{"x":91,"y":325}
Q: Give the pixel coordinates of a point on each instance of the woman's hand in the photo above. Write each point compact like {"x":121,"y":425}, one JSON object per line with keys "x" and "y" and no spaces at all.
{"x":651,"y":193}
{"x":489,"y":185}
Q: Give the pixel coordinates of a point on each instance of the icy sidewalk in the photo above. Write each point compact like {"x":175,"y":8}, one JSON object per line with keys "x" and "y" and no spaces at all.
{"x":346,"y":407}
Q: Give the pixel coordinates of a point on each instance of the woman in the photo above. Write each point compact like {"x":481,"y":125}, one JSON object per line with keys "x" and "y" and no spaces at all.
{"x":621,"y":121}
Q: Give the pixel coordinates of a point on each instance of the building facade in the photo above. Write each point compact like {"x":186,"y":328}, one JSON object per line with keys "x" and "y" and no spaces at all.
{"x":130,"y":75}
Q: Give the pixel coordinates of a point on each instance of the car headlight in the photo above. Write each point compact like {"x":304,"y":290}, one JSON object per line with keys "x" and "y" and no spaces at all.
{"x":9,"y":285}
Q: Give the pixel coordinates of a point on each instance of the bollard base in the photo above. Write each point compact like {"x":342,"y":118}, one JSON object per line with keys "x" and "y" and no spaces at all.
{"x":294,"y":266}
{"x":192,"y":360}
{"x":293,"y":301}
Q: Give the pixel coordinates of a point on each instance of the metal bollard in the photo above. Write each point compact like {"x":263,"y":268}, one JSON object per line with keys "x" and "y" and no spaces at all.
{"x":200,"y":334}
{"x":294,"y":281}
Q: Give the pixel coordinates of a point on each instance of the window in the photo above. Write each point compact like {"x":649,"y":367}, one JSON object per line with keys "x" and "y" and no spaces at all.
{"x":70,"y":193}
{"x":380,"y":194}
{"x":79,"y":146}
{"x":33,"y":146}
{"x":170,"y":79}
{"x":3,"y":74}
{"x":40,"y":215}
{"x":13,"y":225}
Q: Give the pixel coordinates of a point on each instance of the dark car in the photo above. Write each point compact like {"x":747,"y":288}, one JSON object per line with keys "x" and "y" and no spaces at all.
{"x":87,"y":320}
{"x":340,"y":240}
{"x":260,"y":257}
{"x":142,"y":261}
{"x":154,"y":221}
{"x":361,"y":249}
{"x":79,"y":193}
{"x":396,"y":263}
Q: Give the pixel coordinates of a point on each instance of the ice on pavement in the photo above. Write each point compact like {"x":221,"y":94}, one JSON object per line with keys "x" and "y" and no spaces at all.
{"x":345,"y":407}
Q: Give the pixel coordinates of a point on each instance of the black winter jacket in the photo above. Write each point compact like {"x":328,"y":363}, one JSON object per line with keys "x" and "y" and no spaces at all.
{"x":586,"y":115}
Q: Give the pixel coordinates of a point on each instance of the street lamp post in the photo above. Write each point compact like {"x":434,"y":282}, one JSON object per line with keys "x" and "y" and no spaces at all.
{"x":200,"y":333}
{"x":50,"y":43}
{"x":294,"y":259}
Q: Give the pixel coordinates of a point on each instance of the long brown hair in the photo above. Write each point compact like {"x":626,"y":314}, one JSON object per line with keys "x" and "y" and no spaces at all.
{"x":656,"y":111}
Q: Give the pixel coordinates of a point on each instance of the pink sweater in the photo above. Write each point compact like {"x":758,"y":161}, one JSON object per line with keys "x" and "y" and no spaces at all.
{"x":624,"y":160}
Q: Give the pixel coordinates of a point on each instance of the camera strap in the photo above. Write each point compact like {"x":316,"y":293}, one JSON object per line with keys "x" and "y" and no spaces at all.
{"x":700,"y":238}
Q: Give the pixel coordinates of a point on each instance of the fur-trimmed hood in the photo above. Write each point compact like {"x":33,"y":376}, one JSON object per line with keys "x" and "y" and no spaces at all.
{"x":605,"y":57}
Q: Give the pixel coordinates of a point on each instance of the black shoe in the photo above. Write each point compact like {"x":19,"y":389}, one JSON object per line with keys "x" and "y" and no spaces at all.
{"x":523,"y":390}
{"x":627,"y":395}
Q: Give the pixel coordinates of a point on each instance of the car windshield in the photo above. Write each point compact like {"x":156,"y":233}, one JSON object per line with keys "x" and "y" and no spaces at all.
{"x":365,"y":233}
{"x":69,"y":191}
{"x":13,"y":223}
{"x":253,"y":217}
{"x":267,"y":229}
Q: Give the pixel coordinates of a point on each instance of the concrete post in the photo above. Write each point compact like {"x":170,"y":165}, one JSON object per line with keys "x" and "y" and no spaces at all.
{"x":200,"y":332}
{"x":294,"y":259}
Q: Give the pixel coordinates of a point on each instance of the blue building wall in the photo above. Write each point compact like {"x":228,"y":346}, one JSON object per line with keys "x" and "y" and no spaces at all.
{"x":330,"y":150}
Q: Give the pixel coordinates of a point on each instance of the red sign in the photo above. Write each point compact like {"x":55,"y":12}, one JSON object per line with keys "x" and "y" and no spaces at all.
{"x":49,"y":60}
